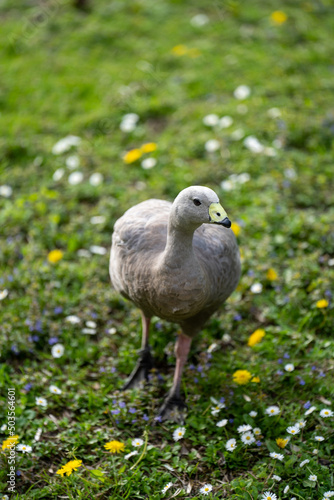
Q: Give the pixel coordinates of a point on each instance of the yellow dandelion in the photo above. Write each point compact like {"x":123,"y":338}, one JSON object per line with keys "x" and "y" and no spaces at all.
{"x":68,"y":468}
{"x":10,"y":442}
{"x":179,"y":50}
{"x":282,"y":442}
{"x":255,"y":380}
{"x":132,"y":155}
{"x":321,"y":304}
{"x":242,"y":377}
{"x":193,"y":53}
{"x":149,"y":147}
{"x":114,"y":446}
{"x":55,"y":256}
{"x":256,"y":337}
{"x":278,"y":17}
{"x":235,"y":228}
{"x":272,"y":274}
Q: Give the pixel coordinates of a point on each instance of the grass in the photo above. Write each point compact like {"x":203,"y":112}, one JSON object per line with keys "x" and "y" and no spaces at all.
{"x":74,"y":73}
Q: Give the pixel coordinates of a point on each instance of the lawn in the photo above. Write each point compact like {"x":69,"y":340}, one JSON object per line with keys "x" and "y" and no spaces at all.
{"x":126,"y":101}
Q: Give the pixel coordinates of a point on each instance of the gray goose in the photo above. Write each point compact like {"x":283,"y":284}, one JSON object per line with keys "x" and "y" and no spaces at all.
{"x":178,"y":261}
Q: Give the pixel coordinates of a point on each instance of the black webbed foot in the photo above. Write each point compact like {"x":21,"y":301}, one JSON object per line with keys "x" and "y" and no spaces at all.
{"x":141,"y":371}
{"x":173,"y":408}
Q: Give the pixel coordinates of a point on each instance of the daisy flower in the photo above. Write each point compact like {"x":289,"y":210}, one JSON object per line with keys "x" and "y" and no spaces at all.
{"x":272,"y":411}
{"x":63,"y":145}
{"x":165,"y":488}
{"x":286,"y":489}
{"x":73,"y":319}
{"x":55,"y":389}
{"x":41,"y":402}
{"x":75,"y":178}
{"x":329,"y":494}
{"x":310,"y":410}
{"x":131,"y":454}
{"x":6,"y":191}
{"x":312,"y":477}
{"x":304,"y":462}
{"x":231,"y":444}
{"x":24,"y":447}
{"x":216,"y":409}
{"x":114,"y":446}
{"x":211,"y":120}
{"x":277,"y":478}
{"x":57,"y":350}
{"x":96,"y":179}
{"x":289,"y":367}
{"x":212,"y":145}
{"x":326,"y":413}
{"x":253,"y":414}
{"x":267,"y":495}
{"x":293,"y":429}
{"x":222,"y":423}
{"x":205,"y":490}
{"x":148,"y":163}
{"x":319,"y":438}
{"x":179,"y":433}
{"x":256,"y":288}
{"x":244,"y":428}
{"x":137,"y":442}
{"x":242,"y":92}
{"x":301,"y":424}
{"x":257,"y":431}
{"x":278,"y":456}
{"x":247,"y":438}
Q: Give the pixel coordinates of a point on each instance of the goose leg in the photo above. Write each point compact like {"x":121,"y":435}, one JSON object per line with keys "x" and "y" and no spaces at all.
{"x":145,"y":361}
{"x":174,"y":405}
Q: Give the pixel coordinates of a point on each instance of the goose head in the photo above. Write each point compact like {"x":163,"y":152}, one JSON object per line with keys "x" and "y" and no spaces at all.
{"x":197,"y":205}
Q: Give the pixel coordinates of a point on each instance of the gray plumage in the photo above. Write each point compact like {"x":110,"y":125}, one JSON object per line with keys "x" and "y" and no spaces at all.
{"x":171,"y":262}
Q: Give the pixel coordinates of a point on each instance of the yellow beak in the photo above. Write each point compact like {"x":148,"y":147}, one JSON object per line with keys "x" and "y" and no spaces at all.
{"x":218,"y":215}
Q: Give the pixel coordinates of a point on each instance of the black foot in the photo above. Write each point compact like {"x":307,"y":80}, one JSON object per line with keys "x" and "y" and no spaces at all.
{"x":141,"y":371}
{"x":173,"y":408}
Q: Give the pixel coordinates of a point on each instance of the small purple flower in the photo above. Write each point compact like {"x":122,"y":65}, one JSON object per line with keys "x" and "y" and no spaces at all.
{"x":113,"y":369}
{"x":321,"y":374}
{"x":307,"y":405}
{"x":237,"y":317}
{"x":302,"y":382}
{"x":313,"y":368}
{"x":158,"y":325}
{"x":102,"y":369}
{"x":53,"y":340}
{"x":280,"y":361}
{"x":200,"y":368}
{"x":196,"y":380}
{"x":286,"y":355}
{"x":145,"y":417}
{"x":38,"y":326}
{"x":122,"y":404}
{"x":279,"y":372}
{"x":158,"y":418}
{"x":18,"y":473}
{"x":133,"y":421}
{"x":231,"y":420}
{"x":115,"y":412}
{"x":250,"y":273}
{"x":132,"y":410}
{"x":222,"y":400}
{"x":27,"y":387}
{"x":328,"y":294}
{"x":93,"y":315}
{"x":114,"y":401}
{"x":258,"y":443}
{"x":58,"y":310}
{"x":14,"y":349}
{"x":286,"y":299}
{"x":191,"y":367}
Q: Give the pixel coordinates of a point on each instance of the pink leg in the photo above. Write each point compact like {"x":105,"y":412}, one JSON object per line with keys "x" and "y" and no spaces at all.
{"x":182,"y":348}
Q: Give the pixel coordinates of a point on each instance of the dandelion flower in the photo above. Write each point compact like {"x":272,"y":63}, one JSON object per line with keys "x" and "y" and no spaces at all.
{"x":321,"y":304}
{"x":312,"y":477}
{"x":132,"y":155}
{"x":244,"y":428}
{"x":231,"y":444}
{"x":289,"y":367}
{"x":267,"y":495}
{"x":272,"y":411}
{"x":310,"y":410}
{"x":25,"y":448}
{"x":278,"y":456}
{"x":131,"y":454}
{"x":69,"y":467}
{"x":304,"y":462}
{"x":137,"y":442}
{"x":242,"y":92}
{"x":293,"y":429}
{"x":55,"y":256}
{"x":10,"y":442}
{"x":55,"y":389}
{"x":165,"y":488}
{"x":282,"y":442}
{"x":57,"y":350}
{"x":222,"y":423}
{"x":235,"y":228}
{"x":272,"y":274}
{"x":319,"y":438}
{"x":114,"y":446}
{"x":278,"y":17}
{"x":242,"y":377}
{"x":149,"y":147}
{"x":256,"y":288}
{"x":205,"y":490}
{"x":179,"y":433}
{"x":41,"y":402}
{"x":256,"y":337}
{"x":247,"y":438}
{"x":326,"y":413}
{"x":255,"y":380}
{"x":277,"y":478}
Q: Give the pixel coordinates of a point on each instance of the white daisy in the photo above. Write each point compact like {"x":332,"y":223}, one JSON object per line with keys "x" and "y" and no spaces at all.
{"x":3,"y":427}
{"x":242,"y":92}
{"x":237,"y":134}
{"x":222,"y":423}
{"x":310,"y":410}
{"x":256,"y":288}
{"x":57,"y":350}
{"x":148,"y":163}
{"x":257,"y":431}
{"x":75,"y":178}
{"x":58,"y":174}
{"x":304,"y":462}
{"x":3,"y":294}
{"x":41,"y":402}
{"x":315,"y":452}
{"x":54,"y":389}
{"x":253,"y":144}
{"x":73,"y":319}
{"x":5,"y":497}
{"x":205,"y":490}
{"x":127,"y":126}
{"x":38,"y":434}
{"x":312,"y":477}
{"x":88,"y":331}
{"x":25,"y":448}
{"x":225,"y":122}
{"x":179,"y":433}
{"x":278,"y":456}
{"x":65,"y":144}
{"x":97,"y":250}
{"x":289,"y":367}
{"x":211,"y":120}
{"x":131,"y":454}
{"x":244,"y":428}
{"x":286,"y":489}
{"x":326,"y":413}
{"x":319,"y":438}
{"x":6,"y":191}
{"x":96,"y":179}
{"x":293,"y":429}
{"x":231,"y":444}
{"x":329,"y":494}
{"x":277,"y":478}
{"x":227,"y":185}
{"x":199,"y":20}
{"x":247,"y":438}
{"x":72,"y":162}
{"x":212,"y":145}
{"x":272,"y":410}
{"x":274,"y":113}
{"x":165,"y":488}
{"x":267,"y":495}
{"x":301,"y":424}
{"x":253,"y":414}
{"x":137,"y":442}
{"x":133,"y":117}
{"x":216,"y":409}
{"x":98,"y":219}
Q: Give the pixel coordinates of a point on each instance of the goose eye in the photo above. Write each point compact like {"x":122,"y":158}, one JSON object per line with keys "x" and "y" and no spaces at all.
{"x":197,"y":202}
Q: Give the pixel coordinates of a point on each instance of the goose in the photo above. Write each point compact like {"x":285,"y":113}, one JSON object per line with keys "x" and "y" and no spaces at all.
{"x":178,"y":261}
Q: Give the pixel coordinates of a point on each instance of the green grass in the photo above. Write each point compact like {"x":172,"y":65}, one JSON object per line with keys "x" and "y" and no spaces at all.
{"x":72,"y":73}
